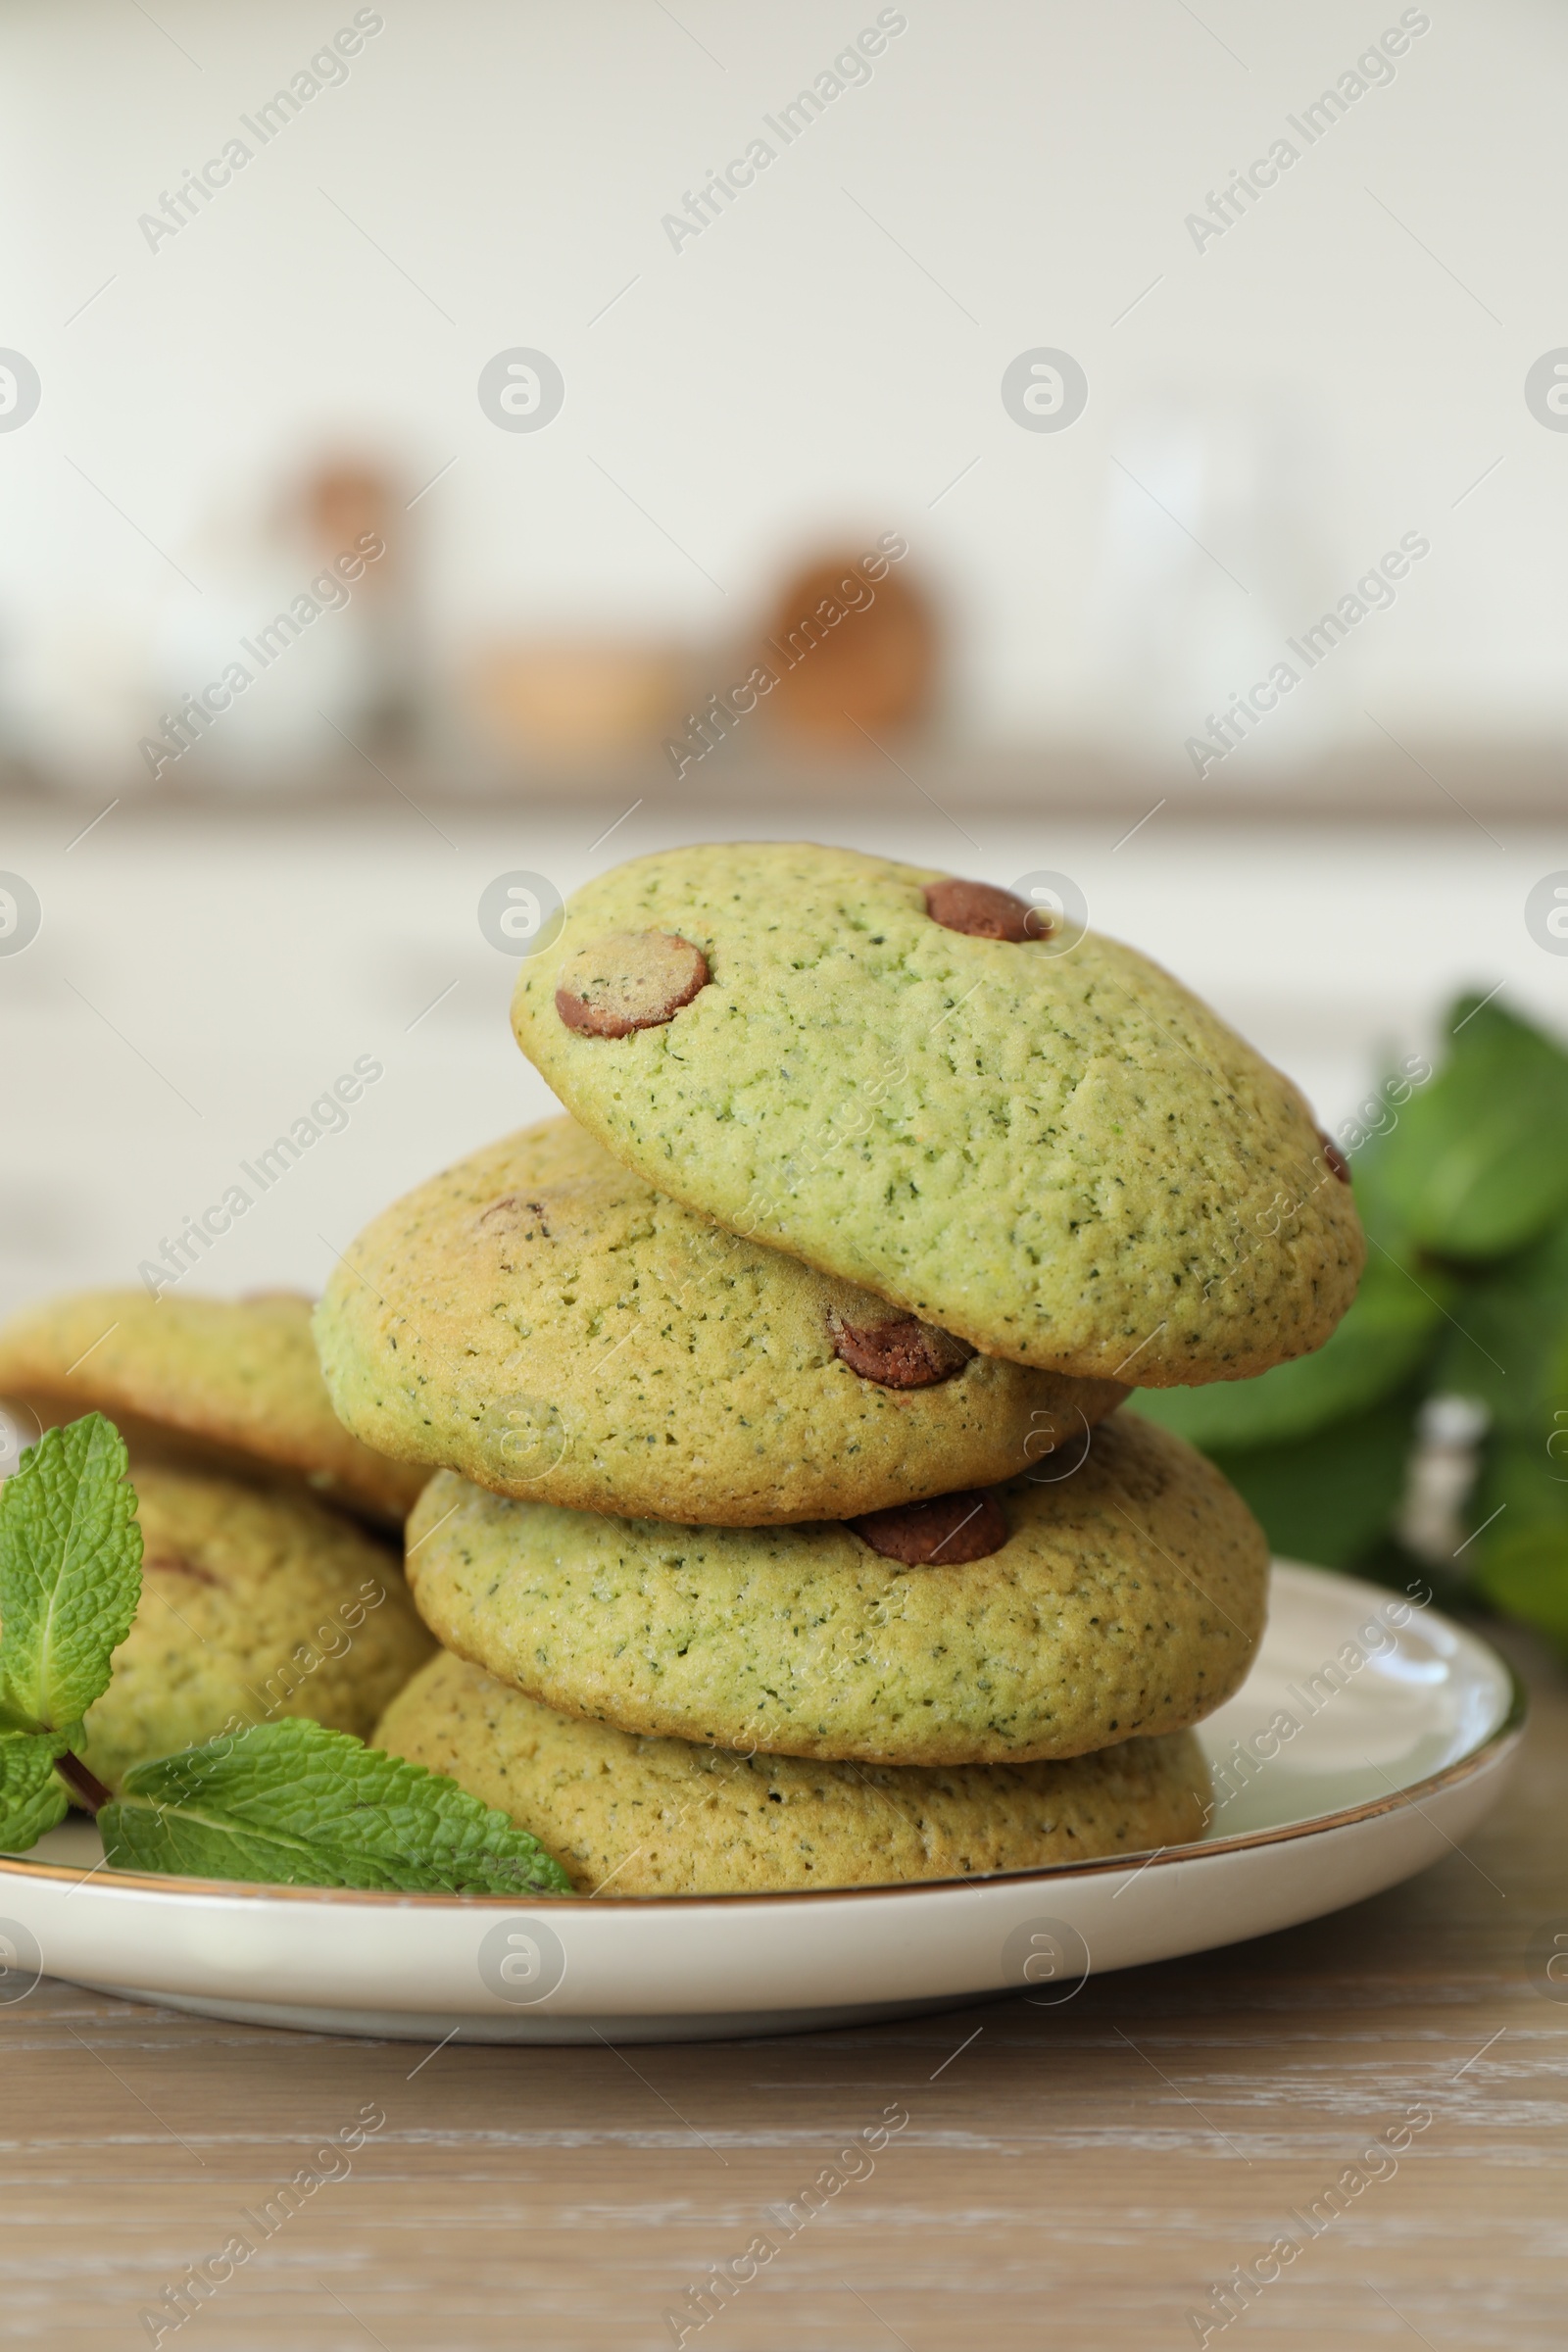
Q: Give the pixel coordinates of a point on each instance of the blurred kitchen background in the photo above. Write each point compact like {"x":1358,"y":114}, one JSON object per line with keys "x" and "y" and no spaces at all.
{"x":418,"y":424}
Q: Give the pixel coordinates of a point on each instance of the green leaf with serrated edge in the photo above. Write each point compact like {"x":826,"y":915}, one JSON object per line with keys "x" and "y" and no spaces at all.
{"x":31,"y":1798}
{"x":70,"y":1575}
{"x":185,"y":1844}
{"x":1478,"y":1164}
{"x":294,"y":1804}
{"x":1327,"y":1498}
{"x":1386,"y":1335}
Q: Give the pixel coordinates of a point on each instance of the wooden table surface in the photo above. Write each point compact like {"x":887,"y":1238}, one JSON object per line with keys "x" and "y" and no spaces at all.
{"x":1079,"y":2176}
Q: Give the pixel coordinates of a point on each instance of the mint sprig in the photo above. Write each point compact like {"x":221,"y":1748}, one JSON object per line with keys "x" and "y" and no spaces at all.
{"x":290,"y":1802}
{"x":298,"y":1805}
{"x":69,"y":1576}
{"x":70,"y":1581}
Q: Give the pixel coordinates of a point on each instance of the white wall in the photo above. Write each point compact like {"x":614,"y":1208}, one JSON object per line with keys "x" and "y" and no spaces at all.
{"x":1299,"y":393}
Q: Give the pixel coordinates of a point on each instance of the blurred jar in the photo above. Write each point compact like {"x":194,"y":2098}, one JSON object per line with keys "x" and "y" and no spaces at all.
{"x":301,"y":647}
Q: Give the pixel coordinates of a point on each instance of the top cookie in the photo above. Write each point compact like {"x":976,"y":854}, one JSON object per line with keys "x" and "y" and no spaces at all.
{"x":1048,"y":1147}
{"x":544,"y":1321}
{"x":205,"y":1383}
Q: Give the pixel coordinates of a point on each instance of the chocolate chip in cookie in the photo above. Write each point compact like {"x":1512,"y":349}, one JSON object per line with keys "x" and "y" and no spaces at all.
{"x":982,"y":911}
{"x":904,"y":1354}
{"x":175,"y":1563}
{"x":945,"y":1533}
{"x":631,"y":980}
{"x":1334,"y":1159}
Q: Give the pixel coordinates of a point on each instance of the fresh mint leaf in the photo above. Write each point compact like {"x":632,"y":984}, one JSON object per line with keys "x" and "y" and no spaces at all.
{"x":1524,"y":1575}
{"x":31,"y":1798}
{"x":1478,"y":1164}
{"x":1509,"y":1345}
{"x":1328,"y":1497}
{"x":70,"y":1575}
{"x":1386,"y":1333}
{"x":294,"y":1804}
{"x":1523,"y":1479}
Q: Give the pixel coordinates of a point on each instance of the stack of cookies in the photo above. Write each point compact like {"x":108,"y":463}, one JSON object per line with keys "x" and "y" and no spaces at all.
{"x":270,"y":1587}
{"x":786,"y":1533}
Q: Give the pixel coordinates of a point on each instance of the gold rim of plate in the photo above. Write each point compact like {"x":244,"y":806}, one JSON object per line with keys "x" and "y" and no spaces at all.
{"x":1487,"y":1751}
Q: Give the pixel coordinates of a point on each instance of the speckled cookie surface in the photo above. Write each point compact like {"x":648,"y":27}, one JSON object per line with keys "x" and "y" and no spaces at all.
{"x":253,"y":1607}
{"x":218,"y":1382}
{"x":541,"y":1319}
{"x":1062,"y":1157}
{"x":658,"y":1817}
{"x":1127,"y":1598}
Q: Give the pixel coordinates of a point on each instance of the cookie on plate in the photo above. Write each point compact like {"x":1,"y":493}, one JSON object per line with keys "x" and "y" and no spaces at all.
{"x":253,"y":1605}
{"x":1123,"y":1594}
{"x":630,"y":1816}
{"x":543,"y":1321}
{"x":1026,"y":1135}
{"x":220,"y":1384}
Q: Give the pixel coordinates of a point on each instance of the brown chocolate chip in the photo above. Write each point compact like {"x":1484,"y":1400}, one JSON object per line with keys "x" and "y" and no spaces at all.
{"x":631,"y":980}
{"x":982,"y":911}
{"x":175,"y":1563}
{"x":945,"y":1533}
{"x":1336,"y":1158}
{"x":901,"y":1355}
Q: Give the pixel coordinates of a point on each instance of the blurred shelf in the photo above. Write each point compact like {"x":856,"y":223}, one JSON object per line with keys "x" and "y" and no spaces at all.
{"x":1451,"y":783}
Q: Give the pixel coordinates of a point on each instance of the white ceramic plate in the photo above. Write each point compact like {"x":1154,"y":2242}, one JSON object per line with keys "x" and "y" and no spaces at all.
{"x":1369,"y":1740}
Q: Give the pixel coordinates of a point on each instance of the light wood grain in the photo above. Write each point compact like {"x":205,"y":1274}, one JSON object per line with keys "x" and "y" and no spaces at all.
{"x":1075,"y":2177}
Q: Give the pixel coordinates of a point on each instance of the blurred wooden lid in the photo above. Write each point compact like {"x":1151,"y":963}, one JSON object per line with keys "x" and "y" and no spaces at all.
{"x":851,"y":651}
